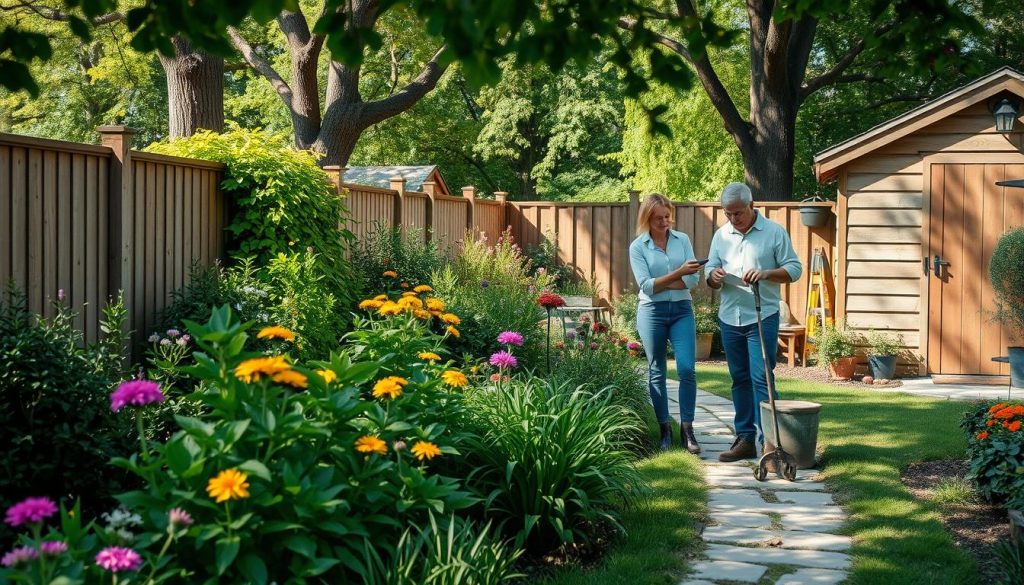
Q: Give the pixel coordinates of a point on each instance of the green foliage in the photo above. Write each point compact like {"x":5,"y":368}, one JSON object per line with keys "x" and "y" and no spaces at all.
{"x":551,"y":462}
{"x":882,"y":343}
{"x":283,"y":201}
{"x":394,"y":250}
{"x":1011,"y":560}
{"x":544,"y":257}
{"x":995,"y":448}
{"x":494,"y":289}
{"x":55,"y":419}
{"x":833,"y":342}
{"x":624,"y":309}
{"x":705,"y":314}
{"x":1007,"y":278}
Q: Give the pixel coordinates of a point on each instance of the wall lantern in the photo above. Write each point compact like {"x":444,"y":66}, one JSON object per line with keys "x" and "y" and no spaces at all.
{"x":1005,"y":113}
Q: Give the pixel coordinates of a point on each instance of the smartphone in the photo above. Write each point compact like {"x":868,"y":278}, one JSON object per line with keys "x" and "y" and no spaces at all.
{"x":703,"y":262}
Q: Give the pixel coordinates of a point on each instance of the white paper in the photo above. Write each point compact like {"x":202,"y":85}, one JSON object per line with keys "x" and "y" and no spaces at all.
{"x":733,"y":280}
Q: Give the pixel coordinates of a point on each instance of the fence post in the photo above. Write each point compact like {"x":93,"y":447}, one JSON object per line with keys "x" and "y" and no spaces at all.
{"x":502,"y":198}
{"x":398,"y":186}
{"x":634,"y":208}
{"x":336,"y":174}
{"x":469,"y":193}
{"x":120,"y":213}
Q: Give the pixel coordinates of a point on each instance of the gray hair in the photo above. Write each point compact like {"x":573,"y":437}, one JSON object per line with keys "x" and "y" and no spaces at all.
{"x":736,"y":193}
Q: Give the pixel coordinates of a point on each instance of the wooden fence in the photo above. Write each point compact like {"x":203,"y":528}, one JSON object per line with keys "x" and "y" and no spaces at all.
{"x":92,"y":220}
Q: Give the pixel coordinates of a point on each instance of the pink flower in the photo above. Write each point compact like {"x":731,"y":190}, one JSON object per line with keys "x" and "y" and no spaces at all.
{"x":30,"y":510}
{"x":117,"y":558}
{"x":510,"y":338}
{"x":135,"y":392}
{"x":61,"y":295}
{"x":633,"y":346}
{"x":179,"y":518}
{"x":503,"y":359}
{"x":54,"y":548}
{"x":22,"y":554}
{"x":593,"y":345}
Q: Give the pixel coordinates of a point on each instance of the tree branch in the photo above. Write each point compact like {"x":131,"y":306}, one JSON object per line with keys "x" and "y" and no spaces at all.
{"x":407,"y":97}
{"x":830,"y":76}
{"x":51,"y":13}
{"x":261,"y":66}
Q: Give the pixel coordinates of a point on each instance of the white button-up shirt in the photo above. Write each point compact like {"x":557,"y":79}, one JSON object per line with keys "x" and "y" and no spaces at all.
{"x":765,"y":246}
{"x":649,"y":262}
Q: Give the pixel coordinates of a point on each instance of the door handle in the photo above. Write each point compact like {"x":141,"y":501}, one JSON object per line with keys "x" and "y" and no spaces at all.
{"x":938,"y":264}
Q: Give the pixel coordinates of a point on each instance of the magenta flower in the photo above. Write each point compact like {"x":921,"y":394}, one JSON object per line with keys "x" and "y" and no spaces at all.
{"x":633,"y":346}
{"x":135,"y":392}
{"x":510,"y":338}
{"x":22,"y":554}
{"x":593,"y":345}
{"x":30,"y":510}
{"x":179,"y":518}
{"x":117,"y":558}
{"x":503,"y":359}
{"x":54,"y":548}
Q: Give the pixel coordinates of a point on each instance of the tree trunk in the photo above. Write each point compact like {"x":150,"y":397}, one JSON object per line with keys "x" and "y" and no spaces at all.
{"x":768,"y":159}
{"x":195,"y":90}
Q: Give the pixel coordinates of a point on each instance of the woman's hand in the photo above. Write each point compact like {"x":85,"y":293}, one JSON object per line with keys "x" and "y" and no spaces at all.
{"x":689,"y":267}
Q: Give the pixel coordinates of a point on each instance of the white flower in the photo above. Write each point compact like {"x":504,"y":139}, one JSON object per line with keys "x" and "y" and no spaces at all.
{"x":165,"y":341}
{"x":154,"y":338}
{"x":181,"y":341}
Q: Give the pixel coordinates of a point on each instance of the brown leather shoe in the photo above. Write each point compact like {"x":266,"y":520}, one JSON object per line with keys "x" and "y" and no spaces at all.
{"x":741,"y":449}
{"x":689,"y":440}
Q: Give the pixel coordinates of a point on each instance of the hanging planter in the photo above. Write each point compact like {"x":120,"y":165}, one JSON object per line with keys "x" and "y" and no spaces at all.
{"x":814,"y":215}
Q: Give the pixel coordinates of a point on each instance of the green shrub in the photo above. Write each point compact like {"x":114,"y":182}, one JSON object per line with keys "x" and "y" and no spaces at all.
{"x":283,"y":202}
{"x":550,"y":463}
{"x":1007,"y":278}
{"x":624,"y":309}
{"x":1011,"y":561}
{"x":995,"y":449}
{"x":56,"y":426}
{"x":388,"y":249}
{"x":882,"y":343}
{"x":705,"y":314}
{"x":834,"y":342}
{"x":544,"y":258}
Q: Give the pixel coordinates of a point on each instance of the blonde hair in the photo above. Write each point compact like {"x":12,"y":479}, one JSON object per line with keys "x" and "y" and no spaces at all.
{"x":651,"y":202}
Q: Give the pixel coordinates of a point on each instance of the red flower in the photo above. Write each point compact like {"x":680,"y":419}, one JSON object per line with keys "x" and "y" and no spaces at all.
{"x":1013,"y":426}
{"x":982,"y":435}
{"x":550,"y":300}
{"x":599,"y":327}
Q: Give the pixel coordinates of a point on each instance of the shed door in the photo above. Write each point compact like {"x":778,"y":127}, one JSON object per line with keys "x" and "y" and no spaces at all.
{"x":967,"y":214}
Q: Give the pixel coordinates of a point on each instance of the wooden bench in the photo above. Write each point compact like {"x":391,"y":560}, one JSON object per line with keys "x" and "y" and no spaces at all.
{"x":791,"y":341}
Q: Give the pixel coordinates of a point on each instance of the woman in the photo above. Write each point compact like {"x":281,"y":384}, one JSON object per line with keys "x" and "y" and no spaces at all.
{"x":665,"y":270}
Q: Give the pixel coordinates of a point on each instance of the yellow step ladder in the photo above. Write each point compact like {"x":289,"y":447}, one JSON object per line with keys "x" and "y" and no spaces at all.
{"x":820,"y":292}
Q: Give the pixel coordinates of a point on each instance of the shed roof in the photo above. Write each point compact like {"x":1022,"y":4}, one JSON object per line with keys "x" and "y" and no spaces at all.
{"x":828,"y":161}
{"x":414,"y":176}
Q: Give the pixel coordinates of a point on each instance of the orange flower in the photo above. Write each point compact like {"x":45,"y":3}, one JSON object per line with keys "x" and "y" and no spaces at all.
{"x":275,"y":332}
{"x":389,"y":308}
{"x":435,"y":304}
{"x":291,"y":378}
{"x":371,"y":304}
{"x":453,"y":332}
{"x":451,"y":319}
{"x":423,"y":288}
{"x":404,"y":285}
{"x":421,"y":314}
{"x":390,"y":387}
{"x":251,"y":370}
{"x":425,"y":450}
{"x":454,"y":378}
{"x":370,"y":444}
{"x":390,"y":274}
{"x":429,"y":356}
{"x":982,"y":435}
{"x":1013,"y":426}
{"x":328,"y":375}
{"x":229,"y":484}
{"x":380,"y":298}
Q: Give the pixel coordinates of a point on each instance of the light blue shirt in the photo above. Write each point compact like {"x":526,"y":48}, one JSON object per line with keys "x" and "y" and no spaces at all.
{"x":649,"y":262}
{"x":765,"y":246}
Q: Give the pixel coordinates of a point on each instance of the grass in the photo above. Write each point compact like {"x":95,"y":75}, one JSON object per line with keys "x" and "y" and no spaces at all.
{"x":954,"y":492}
{"x":659,"y":534}
{"x":867,"y":438}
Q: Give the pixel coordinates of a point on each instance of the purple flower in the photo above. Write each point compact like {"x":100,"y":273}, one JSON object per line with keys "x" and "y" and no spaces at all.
{"x":570,"y":335}
{"x":172,"y":333}
{"x":593,"y":345}
{"x":30,"y":510}
{"x":54,"y":548}
{"x":17,"y":556}
{"x":181,"y":341}
{"x":61,"y":295}
{"x":135,"y":392}
{"x":503,"y":359}
{"x":510,"y":338}
{"x":117,"y":558}
{"x":185,"y":338}
{"x":179,"y":518}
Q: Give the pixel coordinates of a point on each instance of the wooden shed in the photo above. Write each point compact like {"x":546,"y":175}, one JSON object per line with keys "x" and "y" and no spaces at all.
{"x":918,"y":190}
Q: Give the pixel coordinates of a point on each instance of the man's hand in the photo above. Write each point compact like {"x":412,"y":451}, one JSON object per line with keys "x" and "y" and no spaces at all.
{"x":754,"y":275}
{"x":716,"y":277}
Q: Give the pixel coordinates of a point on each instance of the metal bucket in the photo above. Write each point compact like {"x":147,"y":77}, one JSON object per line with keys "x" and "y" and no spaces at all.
{"x":798,"y":428}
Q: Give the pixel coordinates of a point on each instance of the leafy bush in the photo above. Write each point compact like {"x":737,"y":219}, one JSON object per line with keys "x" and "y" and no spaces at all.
{"x":550,"y":461}
{"x":544,"y":258}
{"x":705,"y":314}
{"x":995,"y":448}
{"x":494,"y":289}
{"x":1011,"y":561}
{"x":624,"y":312}
{"x":882,"y":343}
{"x":834,"y":342}
{"x":389,"y":250}
{"x":1008,"y":280}
{"x":56,"y":426}
{"x":283,"y":201}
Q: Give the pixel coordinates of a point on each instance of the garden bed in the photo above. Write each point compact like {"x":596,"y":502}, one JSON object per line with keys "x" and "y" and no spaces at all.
{"x":812,"y":374}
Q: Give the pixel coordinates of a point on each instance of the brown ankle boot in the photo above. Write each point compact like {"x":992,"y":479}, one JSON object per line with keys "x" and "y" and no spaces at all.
{"x":741,"y":449}
{"x":689,"y":440}
{"x":666,"y":436}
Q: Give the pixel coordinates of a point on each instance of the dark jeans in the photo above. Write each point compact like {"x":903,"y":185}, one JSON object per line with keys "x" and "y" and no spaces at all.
{"x":746,"y":367}
{"x":659,"y":323}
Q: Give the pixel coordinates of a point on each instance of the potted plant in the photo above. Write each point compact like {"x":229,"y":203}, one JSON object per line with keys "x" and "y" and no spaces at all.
{"x":705,"y":314}
{"x":814,"y":215}
{"x":883,"y":350}
{"x":1007,"y":276}
{"x":837,"y":350}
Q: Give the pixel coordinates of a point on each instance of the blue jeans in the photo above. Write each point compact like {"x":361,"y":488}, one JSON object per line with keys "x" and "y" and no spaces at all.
{"x":746,"y":367}
{"x":659,"y":323}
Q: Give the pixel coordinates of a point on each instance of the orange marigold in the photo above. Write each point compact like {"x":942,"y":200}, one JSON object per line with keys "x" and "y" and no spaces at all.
{"x":276,"y":332}
{"x":454,"y":378}
{"x":425,"y":450}
{"x":429,"y":356}
{"x":381,"y":297}
{"x":370,"y":444}
{"x":390,"y":387}
{"x":423,"y":288}
{"x":252,"y":370}
{"x":369,"y":304}
{"x":453,"y":332}
{"x":435,"y":304}
{"x":982,"y":435}
{"x":451,"y":319}
{"x":390,"y":274}
{"x":229,"y":484}
{"x":421,"y":314}
{"x":389,"y":308}
{"x":1013,"y":426}
{"x":291,"y":378}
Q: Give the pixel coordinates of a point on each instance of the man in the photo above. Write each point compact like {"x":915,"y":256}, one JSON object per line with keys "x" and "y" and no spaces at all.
{"x":750,"y":248}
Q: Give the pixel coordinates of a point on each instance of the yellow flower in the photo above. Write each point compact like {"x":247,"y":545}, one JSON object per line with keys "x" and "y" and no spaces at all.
{"x":451,"y":319}
{"x":291,"y":378}
{"x":425,"y":450}
{"x":380,"y":298}
{"x":229,"y":484}
{"x":328,"y":375}
{"x":404,"y":285}
{"x":429,"y":356}
{"x":410,"y":303}
{"x":251,"y":370}
{"x":369,"y":304}
{"x":454,"y":378}
{"x":275,"y":332}
{"x":370,"y":444}
{"x":390,"y":274}
{"x":389,"y":308}
{"x":454,"y":332}
{"x":423,"y":288}
{"x":435,"y":304}
{"x":421,"y":314}
{"x":390,"y":387}
{"x":408,"y":293}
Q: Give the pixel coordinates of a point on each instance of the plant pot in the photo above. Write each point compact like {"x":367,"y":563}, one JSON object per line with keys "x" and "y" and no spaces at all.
{"x":798,"y":428}
{"x":814,"y":216}
{"x":883,"y":367}
{"x":843,"y":368}
{"x":577,"y":301}
{"x":704,"y":345}
{"x":1016,"y":366}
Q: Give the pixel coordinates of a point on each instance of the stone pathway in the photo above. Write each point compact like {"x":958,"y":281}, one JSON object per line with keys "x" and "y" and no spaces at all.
{"x":776,"y":528}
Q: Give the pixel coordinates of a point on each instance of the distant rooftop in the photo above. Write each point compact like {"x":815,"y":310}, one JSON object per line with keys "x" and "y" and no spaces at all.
{"x":414,"y":176}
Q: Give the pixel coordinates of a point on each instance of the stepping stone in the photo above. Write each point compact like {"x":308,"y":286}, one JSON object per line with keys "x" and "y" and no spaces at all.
{"x":742,"y":519}
{"x":736,"y":499}
{"x":812,"y":577}
{"x":789,"y":538}
{"x":813,"y":522}
{"x":722,"y":570}
{"x":804,"y":558}
{"x":746,"y":480}
{"x":805,"y":498}
{"x":705,"y":438}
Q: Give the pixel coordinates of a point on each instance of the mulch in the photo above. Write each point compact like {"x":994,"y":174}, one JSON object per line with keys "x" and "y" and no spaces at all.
{"x":811,"y":374}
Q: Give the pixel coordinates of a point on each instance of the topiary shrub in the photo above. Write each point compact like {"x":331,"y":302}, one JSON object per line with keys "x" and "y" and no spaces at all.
{"x":1004,"y":270}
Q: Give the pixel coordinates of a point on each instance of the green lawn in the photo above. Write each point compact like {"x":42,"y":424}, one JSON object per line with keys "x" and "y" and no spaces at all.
{"x":867,"y":438}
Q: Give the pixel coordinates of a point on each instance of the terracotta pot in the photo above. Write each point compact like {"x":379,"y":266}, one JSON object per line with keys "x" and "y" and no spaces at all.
{"x":843,"y":368}
{"x":704,"y":345}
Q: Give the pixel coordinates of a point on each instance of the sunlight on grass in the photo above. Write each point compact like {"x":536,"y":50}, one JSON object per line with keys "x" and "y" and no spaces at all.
{"x":955,"y":491}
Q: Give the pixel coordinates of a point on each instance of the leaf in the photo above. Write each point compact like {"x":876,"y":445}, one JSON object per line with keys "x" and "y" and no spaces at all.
{"x":256,"y":468}
{"x":227,"y":550}
{"x":301,"y":544}
{"x":253,"y":567}
{"x":194,"y":426}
